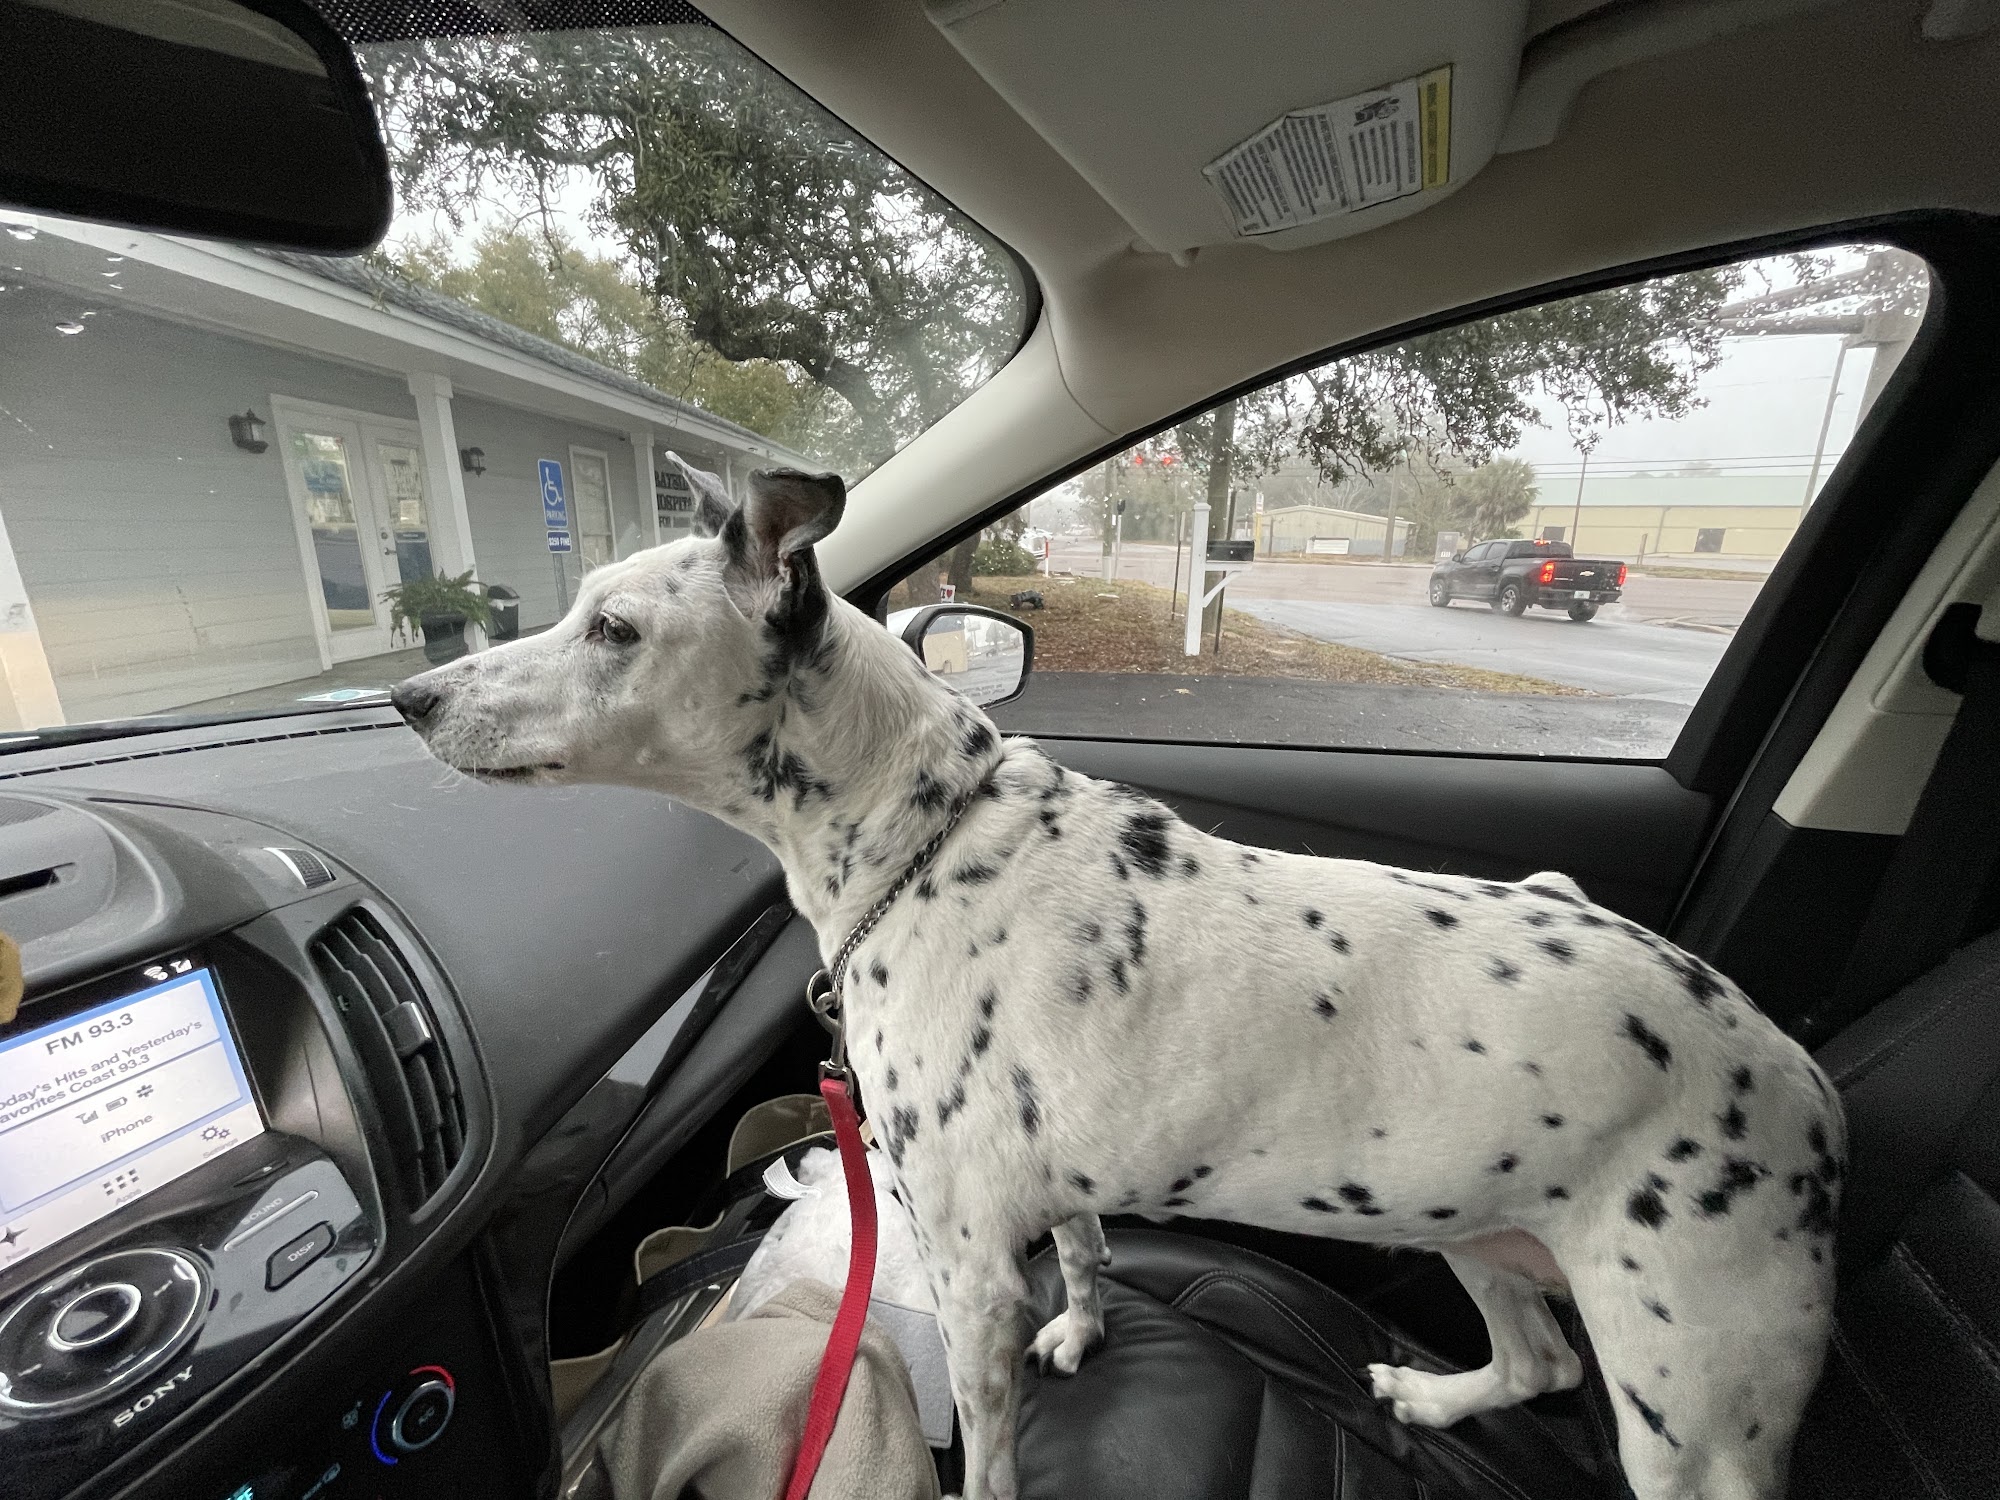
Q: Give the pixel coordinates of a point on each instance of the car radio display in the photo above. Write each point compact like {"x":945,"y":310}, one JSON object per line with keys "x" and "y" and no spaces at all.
{"x":109,"y":1103}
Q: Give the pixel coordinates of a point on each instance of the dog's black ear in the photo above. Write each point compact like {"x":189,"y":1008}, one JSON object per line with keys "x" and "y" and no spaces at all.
{"x":712,"y":504}
{"x":788,"y":510}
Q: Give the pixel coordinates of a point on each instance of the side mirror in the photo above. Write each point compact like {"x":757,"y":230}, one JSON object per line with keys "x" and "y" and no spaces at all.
{"x":246,"y":121}
{"x":980,"y":652}
{"x":1458,"y":557}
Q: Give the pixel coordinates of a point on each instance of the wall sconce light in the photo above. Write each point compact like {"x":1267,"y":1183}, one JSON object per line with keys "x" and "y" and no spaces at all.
{"x":247,"y":432}
{"x":473,"y":460}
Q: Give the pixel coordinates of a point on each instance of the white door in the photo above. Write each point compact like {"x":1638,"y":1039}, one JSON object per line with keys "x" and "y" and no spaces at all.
{"x":358,"y":497}
{"x":590,"y":500}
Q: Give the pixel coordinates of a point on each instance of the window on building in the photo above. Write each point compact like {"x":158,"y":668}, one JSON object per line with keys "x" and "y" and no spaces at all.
{"x":1619,"y":417}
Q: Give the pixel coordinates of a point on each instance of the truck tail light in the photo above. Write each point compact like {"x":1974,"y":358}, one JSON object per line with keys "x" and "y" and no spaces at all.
{"x":1549,"y":571}
{"x":1621,"y":575}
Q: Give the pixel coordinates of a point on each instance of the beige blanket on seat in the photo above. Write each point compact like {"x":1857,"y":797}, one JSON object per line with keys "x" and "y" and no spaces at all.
{"x":718,"y":1415}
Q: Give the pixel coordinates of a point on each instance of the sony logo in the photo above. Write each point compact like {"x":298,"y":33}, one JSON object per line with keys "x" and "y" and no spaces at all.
{"x":166,"y":1388}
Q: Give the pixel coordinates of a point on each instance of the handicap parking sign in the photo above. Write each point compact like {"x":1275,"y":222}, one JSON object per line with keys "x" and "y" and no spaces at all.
{"x":555,"y":503}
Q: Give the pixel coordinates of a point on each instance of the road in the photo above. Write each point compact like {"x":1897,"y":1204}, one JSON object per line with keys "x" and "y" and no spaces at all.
{"x":1660,"y":642}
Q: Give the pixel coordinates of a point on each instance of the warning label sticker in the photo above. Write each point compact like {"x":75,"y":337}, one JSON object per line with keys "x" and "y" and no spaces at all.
{"x":1335,"y":158}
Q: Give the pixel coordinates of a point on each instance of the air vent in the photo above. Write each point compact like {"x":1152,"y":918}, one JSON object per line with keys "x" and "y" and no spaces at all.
{"x":395,"y":1036}
{"x":313,"y":872}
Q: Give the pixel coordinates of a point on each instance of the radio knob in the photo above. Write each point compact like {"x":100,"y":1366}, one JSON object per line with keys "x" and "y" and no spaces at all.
{"x":94,"y":1317}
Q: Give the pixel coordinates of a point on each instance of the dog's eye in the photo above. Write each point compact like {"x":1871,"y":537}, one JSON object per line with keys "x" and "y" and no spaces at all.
{"x":612,"y":629}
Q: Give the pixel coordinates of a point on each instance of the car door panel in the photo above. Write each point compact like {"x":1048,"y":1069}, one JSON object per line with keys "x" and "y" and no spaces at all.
{"x":1628,"y":833}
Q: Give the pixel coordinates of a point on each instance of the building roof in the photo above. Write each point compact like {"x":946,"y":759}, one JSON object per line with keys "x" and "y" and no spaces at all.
{"x":384,"y":286}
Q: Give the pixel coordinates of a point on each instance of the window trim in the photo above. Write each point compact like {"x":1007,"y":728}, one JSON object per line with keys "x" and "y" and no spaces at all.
{"x":1801,"y":604}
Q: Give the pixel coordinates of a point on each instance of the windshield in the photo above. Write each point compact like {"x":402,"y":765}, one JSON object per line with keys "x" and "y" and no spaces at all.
{"x":235,"y":481}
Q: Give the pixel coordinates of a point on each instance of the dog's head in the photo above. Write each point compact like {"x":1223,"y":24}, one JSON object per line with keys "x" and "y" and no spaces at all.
{"x":663,"y":666}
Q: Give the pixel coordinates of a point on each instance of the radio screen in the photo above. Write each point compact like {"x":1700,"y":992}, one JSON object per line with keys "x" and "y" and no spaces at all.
{"x":112,"y":1102}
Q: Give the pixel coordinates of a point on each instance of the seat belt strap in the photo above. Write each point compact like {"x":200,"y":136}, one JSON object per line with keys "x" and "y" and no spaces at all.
{"x":841,"y":1344}
{"x":1951,"y":849}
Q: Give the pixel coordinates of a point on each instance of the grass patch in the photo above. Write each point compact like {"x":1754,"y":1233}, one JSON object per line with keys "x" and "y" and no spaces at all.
{"x":1080,"y":630}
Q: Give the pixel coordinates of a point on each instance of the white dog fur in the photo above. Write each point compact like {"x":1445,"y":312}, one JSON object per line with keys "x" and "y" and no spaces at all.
{"x":1087,"y":1006}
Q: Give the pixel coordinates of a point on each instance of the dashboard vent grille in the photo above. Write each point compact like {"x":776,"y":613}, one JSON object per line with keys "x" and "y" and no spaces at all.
{"x":395,"y":1035}
{"x":313,"y":872}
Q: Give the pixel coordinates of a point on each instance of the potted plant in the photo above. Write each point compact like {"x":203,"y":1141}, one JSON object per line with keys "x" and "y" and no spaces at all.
{"x":440,"y":607}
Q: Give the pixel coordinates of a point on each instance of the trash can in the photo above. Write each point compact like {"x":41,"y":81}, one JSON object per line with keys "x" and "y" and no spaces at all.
{"x":506,"y":607}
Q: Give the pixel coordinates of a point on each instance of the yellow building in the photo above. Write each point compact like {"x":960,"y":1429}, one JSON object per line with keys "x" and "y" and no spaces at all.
{"x":1685,"y":517}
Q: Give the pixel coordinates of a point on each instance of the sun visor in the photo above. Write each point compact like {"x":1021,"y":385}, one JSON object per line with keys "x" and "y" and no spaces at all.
{"x":1285,"y":125}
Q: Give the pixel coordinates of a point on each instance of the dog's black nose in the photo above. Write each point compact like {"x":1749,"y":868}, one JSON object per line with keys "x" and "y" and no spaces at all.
{"x":415,"y":699}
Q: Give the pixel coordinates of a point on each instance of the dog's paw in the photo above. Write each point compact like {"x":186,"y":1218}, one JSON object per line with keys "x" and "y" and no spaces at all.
{"x":1062,"y":1343}
{"x":1417,"y":1398}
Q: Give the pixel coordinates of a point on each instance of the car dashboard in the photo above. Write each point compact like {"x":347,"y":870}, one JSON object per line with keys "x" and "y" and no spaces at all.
{"x":328,"y":1058}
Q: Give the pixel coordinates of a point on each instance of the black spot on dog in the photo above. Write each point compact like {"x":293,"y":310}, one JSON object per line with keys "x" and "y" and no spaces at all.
{"x":1079,"y":987}
{"x":987,"y":1000}
{"x":889,"y":1081}
{"x":1475,"y":1045}
{"x":1190,"y":866}
{"x":1202,"y":1171}
{"x":1117,"y":971}
{"x":1376,"y":1132}
{"x":1590,"y":919}
{"x":1496,"y":890}
{"x":1360,"y":1199}
{"x":977,"y":739}
{"x":1507,"y":1162}
{"x":1628,"y":1263}
{"x":1652,"y":1418}
{"x":1439,"y":917}
{"x":1089,"y":932}
{"x":929,"y":794}
{"x":1181,"y":1184}
{"x":1556,"y":1194}
{"x":1249,"y":857}
{"x":982,"y":1038}
{"x":1135,"y":933}
{"x":1049,"y":824}
{"x":1550,"y":893}
{"x":902,"y":1130}
{"x":1534,"y":1069}
{"x":1703,"y":984}
{"x":1503,"y":971}
{"x":1734,"y":1123}
{"x":878,"y":1038}
{"x":1553,"y":1122}
{"x":1118,"y":868}
{"x":1737,"y":1177}
{"x":965,"y":1231}
{"x":1440,"y":1213}
{"x":1314,"y":917}
{"x":1082,"y":1183}
{"x":1650,"y":1042}
{"x":1175,"y":1202}
{"x":1030,"y":1105}
{"x":1144,"y":838}
{"x":1324,"y":1007}
{"x":1659,"y":1310}
{"x":951,"y":1103}
{"x":1557,"y":949}
{"x":1683,"y":1149}
{"x":1742,"y":1080}
{"x":1538,"y":919}
{"x":878,"y":973}
{"x":927,"y":889}
{"x":1646,"y":1206}
{"x":1750,"y":1433}
{"x":1318,"y":1205}
{"x":1337,"y":941}
{"x":977,"y":873}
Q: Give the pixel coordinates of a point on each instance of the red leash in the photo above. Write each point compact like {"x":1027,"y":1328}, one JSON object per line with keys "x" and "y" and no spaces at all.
{"x":838,"y":1361}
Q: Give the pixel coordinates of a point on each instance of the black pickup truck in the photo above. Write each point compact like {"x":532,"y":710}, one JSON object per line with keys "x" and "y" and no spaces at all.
{"x":1512,"y":575}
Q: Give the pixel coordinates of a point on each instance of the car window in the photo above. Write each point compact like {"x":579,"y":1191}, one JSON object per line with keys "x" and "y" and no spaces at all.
{"x":1621,"y":469}
{"x":239,"y":481}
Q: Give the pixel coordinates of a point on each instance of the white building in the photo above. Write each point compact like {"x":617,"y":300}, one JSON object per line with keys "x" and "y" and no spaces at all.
{"x":150,"y":559}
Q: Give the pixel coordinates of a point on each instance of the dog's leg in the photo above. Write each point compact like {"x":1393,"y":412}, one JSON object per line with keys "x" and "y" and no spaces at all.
{"x":1530,"y":1355}
{"x":1708,"y":1361}
{"x":982,"y":1292}
{"x":1076,"y":1330}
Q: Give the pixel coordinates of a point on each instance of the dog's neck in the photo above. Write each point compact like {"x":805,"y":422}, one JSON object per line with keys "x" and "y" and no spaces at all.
{"x":858,"y":758}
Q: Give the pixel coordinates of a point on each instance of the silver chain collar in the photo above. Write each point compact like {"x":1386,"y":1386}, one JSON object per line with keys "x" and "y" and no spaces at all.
{"x":823,"y":990}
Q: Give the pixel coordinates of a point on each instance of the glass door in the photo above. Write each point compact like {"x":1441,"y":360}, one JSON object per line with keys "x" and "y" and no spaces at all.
{"x":590,"y":496}
{"x":333,"y":495}
{"x":404,"y":527}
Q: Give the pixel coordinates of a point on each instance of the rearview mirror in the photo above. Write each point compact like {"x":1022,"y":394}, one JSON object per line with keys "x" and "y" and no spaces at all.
{"x":237,"y":119}
{"x":982,"y":653}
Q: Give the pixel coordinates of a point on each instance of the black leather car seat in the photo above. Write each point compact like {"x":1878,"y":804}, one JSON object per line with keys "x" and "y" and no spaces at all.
{"x":1227,"y":1374}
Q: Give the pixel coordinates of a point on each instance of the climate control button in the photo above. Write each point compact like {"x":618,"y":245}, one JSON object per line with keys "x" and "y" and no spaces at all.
{"x":421,"y":1417}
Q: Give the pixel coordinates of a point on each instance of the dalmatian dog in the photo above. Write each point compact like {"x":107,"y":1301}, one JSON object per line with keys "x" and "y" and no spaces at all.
{"x":1084,"y":1006}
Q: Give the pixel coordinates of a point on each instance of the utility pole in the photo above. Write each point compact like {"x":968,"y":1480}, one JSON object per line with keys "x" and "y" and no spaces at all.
{"x":1222,"y":435}
{"x":1576,"y":518}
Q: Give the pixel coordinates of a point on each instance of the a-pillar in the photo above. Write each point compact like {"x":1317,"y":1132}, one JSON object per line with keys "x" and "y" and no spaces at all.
{"x":444,"y":484}
{"x":28,"y":697}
